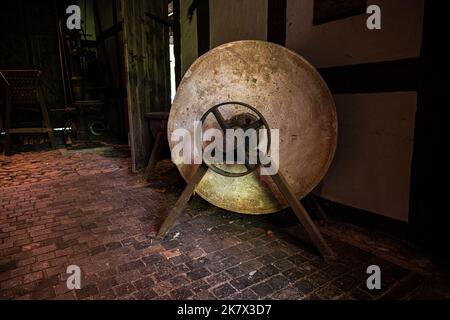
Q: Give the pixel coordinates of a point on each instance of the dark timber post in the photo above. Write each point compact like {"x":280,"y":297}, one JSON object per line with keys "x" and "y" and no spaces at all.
{"x":430,"y":169}
{"x":276,"y":21}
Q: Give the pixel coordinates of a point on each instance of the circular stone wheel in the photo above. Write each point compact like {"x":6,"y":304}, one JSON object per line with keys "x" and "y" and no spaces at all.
{"x":292,"y":97}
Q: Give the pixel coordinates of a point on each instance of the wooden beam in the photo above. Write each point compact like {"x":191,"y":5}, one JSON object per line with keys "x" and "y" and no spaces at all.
{"x":30,"y":130}
{"x":177,"y":39}
{"x":276,"y":21}
{"x":387,"y":76}
{"x":203,"y":27}
{"x":430,"y":170}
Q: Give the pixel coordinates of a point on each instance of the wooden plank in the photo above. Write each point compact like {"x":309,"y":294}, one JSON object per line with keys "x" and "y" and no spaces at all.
{"x":147,"y":67}
{"x":276,"y":21}
{"x":30,"y":130}
{"x":160,"y":57}
{"x":137,"y":72}
{"x":385,"y":76}
{"x":203,"y":27}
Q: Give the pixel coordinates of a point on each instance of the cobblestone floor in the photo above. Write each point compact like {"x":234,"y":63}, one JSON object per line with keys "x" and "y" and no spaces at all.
{"x":85,"y":208}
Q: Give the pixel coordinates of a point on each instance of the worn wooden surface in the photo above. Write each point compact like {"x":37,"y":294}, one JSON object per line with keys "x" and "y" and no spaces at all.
{"x":147,"y":71}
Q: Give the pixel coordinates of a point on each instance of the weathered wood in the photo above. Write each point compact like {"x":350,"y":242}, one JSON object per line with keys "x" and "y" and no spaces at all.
{"x":176,"y":211}
{"x":137,"y":72}
{"x":30,"y":130}
{"x":159,"y":35}
{"x":203,"y":27}
{"x":276,"y":21}
{"x":303,"y":216}
{"x":146,"y":51}
{"x":112,"y":31}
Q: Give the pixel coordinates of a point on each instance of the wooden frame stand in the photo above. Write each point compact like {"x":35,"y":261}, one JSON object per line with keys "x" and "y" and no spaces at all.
{"x":282,"y":185}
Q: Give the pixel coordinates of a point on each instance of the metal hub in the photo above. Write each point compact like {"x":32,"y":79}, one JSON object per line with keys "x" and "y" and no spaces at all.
{"x":252,"y":119}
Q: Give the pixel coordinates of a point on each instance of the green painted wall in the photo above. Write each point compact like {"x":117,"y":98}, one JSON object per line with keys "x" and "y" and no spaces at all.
{"x":189,"y":48}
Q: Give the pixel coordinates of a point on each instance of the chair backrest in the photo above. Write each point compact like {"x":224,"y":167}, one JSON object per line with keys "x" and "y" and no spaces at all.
{"x":24,"y":86}
{"x":25,"y":108}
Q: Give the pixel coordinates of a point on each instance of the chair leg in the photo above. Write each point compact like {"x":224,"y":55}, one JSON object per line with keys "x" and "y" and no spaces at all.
{"x":51,"y":137}
{"x":7,"y":124}
{"x":8,"y":150}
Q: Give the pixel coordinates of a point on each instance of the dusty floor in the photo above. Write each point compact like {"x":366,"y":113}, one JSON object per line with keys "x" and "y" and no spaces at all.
{"x":85,"y":208}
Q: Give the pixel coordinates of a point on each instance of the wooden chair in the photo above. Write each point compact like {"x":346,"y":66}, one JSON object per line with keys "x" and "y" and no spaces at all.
{"x":23,"y":96}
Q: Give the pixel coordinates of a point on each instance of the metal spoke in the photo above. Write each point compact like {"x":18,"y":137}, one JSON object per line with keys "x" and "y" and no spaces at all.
{"x":227,"y":124}
{"x":254,"y":125}
{"x":220,"y":119}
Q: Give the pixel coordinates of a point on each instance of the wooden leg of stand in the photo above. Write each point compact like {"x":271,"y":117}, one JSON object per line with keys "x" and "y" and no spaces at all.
{"x":303,"y":216}
{"x":176,"y":211}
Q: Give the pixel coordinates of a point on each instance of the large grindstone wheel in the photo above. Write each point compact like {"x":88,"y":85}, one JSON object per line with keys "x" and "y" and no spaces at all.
{"x":291,"y":96}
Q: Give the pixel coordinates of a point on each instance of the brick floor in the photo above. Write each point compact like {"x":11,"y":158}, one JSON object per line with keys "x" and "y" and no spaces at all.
{"x":61,"y":208}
